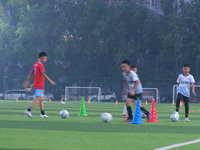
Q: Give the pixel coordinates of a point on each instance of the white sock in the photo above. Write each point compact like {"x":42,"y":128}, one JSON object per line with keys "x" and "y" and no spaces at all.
{"x":125,"y":110}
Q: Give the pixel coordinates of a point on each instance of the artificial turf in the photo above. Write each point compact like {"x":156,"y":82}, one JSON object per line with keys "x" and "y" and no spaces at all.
{"x":18,"y":132}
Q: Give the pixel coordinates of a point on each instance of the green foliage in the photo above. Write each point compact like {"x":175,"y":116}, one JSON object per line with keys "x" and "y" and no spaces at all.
{"x":87,"y":39}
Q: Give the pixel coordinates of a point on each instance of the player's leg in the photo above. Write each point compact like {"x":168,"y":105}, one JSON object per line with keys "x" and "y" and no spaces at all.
{"x":128,"y":105}
{"x":42,"y":115}
{"x":186,"y":103}
{"x":148,"y":114}
{"x":124,"y":112}
{"x":179,"y":98}
{"x":28,"y":111}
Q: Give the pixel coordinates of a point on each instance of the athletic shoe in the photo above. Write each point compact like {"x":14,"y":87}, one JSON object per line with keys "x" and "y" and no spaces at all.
{"x":28,"y":113}
{"x":44,"y":116}
{"x":149,"y":116}
{"x":143,"y":115}
{"x":128,"y":120}
{"x":187,"y":120}
{"x":124,"y":116}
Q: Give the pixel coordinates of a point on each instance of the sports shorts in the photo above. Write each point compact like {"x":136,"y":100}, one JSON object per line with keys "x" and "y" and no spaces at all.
{"x":39,"y":93}
{"x":135,"y":97}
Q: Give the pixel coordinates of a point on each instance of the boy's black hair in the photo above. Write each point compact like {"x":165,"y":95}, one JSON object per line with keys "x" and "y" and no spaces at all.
{"x":133,"y":66}
{"x":42,"y":54}
{"x":126,"y":62}
{"x":186,"y":65}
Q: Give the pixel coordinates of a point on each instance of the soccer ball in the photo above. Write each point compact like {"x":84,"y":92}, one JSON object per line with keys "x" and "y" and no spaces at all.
{"x":64,"y":114}
{"x":106,"y":117}
{"x":174,"y":117}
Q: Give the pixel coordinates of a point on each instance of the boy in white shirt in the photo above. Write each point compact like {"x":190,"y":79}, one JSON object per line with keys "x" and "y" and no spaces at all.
{"x":183,"y":90}
{"x":135,"y":89}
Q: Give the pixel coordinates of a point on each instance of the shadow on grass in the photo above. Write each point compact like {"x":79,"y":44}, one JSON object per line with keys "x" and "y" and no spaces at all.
{"x":69,"y":125}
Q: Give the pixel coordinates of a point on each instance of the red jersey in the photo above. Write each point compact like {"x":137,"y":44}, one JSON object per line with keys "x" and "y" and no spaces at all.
{"x":38,"y":69}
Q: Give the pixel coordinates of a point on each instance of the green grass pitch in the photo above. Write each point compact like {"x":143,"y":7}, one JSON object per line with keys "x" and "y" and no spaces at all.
{"x":18,"y":132}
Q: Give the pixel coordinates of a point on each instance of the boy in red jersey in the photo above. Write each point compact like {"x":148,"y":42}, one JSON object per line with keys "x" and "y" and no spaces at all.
{"x":38,"y":72}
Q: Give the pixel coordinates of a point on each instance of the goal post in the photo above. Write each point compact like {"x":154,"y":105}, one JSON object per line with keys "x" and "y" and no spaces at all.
{"x":150,"y":93}
{"x":193,"y":99}
{"x":77,"y":93}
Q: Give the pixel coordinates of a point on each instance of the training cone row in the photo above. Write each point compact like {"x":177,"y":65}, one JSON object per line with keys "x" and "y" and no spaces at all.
{"x":137,"y":119}
{"x":154,"y":117}
{"x":83,"y":110}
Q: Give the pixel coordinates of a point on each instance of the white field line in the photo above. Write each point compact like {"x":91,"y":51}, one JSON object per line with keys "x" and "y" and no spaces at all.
{"x":178,"y":145}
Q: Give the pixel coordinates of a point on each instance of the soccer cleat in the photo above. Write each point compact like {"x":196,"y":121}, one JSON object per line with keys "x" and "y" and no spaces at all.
{"x":28,"y":113}
{"x":44,"y":116}
{"x":149,"y":116}
{"x":175,"y":113}
{"x":143,"y":115}
{"x":187,"y":120}
{"x":124,"y":116}
{"x":128,"y":120}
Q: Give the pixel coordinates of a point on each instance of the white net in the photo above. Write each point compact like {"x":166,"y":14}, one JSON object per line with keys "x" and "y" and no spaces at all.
{"x":150,"y":93}
{"x":77,"y":93}
{"x":193,"y":99}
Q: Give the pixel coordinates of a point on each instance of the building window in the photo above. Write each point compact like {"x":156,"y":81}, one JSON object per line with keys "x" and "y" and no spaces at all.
{"x":153,"y":2}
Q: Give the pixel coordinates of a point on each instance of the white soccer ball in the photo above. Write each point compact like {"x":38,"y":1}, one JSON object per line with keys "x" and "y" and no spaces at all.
{"x":106,"y":117}
{"x":64,"y":114}
{"x":174,"y":117}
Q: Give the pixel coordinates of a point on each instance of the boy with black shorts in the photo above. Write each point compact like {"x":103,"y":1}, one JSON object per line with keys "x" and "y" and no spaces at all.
{"x":135,"y":89}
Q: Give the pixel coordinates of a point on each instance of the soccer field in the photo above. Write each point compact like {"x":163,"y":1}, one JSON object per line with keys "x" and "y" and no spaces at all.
{"x":18,"y":132}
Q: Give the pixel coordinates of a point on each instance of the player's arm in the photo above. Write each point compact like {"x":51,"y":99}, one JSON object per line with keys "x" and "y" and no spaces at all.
{"x":26,"y":83}
{"x":46,"y":77}
{"x":125,"y":86}
{"x":136,"y":85}
{"x":178,"y":80}
{"x":193,"y":89}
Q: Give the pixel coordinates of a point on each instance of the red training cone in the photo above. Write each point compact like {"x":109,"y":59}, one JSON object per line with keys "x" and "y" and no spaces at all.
{"x":153,"y":118}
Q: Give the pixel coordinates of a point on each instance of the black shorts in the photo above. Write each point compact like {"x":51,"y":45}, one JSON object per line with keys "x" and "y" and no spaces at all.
{"x":135,"y":97}
{"x":182,"y":97}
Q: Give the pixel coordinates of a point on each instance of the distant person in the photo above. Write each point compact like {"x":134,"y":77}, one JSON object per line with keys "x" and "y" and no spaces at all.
{"x":124,"y":115}
{"x":183,"y":90}
{"x":39,"y":74}
{"x":135,"y":90}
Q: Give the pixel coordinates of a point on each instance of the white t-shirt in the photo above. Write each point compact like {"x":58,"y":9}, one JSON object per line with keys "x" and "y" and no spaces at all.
{"x":131,"y":79}
{"x":184,"y":84}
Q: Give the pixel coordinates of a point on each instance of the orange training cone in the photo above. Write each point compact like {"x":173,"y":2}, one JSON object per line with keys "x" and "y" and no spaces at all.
{"x":146,"y":102}
{"x":61,"y":100}
{"x":173,"y":102}
{"x":116,"y":102}
{"x":181,"y":103}
{"x":153,"y":112}
{"x":17,"y":100}
{"x":49,"y":99}
{"x":88,"y":101}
